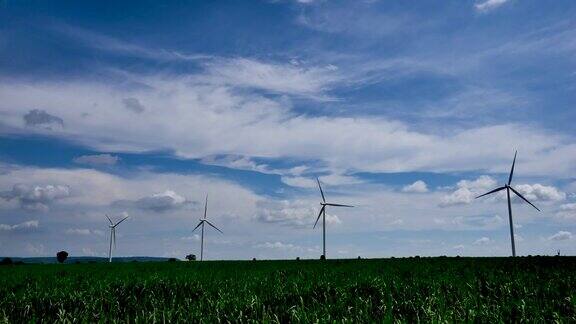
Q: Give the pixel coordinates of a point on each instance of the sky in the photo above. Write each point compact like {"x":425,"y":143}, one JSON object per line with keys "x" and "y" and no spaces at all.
{"x":405,"y":109}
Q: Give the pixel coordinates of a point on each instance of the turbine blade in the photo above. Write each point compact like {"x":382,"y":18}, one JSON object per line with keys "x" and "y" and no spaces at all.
{"x":339,"y":205}
{"x":493,"y":191}
{"x":206,"y":206}
{"x":526,"y":200}
{"x":512,"y":170}
{"x":321,"y":192}
{"x":319,"y":214}
{"x":109,"y":220}
{"x":123,"y":219}
{"x":216,"y":228}
{"x":195,"y":228}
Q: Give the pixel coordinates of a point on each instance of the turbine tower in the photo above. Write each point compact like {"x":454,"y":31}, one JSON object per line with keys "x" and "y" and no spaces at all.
{"x":323,"y":214}
{"x":201,"y":223}
{"x":113,"y":235}
{"x":508,"y":189}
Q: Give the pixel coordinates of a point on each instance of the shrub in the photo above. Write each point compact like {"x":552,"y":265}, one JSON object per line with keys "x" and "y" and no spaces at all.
{"x":191,"y":257}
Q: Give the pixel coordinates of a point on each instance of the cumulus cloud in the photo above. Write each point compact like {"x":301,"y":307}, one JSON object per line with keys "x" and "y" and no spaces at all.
{"x":417,"y":187}
{"x":158,"y":202}
{"x":133,"y":104}
{"x":487,"y":5}
{"x":36,"y":197}
{"x":567,"y":211}
{"x":22,"y":227}
{"x":297,"y":213}
{"x":467,"y":190}
{"x":561,"y":236}
{"x":538,"y":192}
{"x":97,"y":159}
{"x":40,"y":118}
{"x":482,"y":241}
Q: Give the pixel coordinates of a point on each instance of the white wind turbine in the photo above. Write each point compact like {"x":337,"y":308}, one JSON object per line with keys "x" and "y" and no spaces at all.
{"x":113,"y":235}
{"x":323,"y":214}
{"x":201,"y":223}
{"x":508,"y":189}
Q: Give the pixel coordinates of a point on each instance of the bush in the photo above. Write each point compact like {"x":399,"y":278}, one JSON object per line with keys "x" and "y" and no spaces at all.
{"x":191,"y":257}
{"x":322,"y":257}
{"x":61,"y":256}
{"x":172,"y":260}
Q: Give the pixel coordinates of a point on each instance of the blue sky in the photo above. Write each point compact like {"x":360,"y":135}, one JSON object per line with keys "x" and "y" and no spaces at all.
{"x":405,"y":109}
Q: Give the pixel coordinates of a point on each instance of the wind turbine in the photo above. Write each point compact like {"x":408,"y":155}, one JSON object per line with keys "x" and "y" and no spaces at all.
{"x":323,"y":214}
{"x":113,"y":235}
{"x":201,"y":223}
{"x":508,"y":189}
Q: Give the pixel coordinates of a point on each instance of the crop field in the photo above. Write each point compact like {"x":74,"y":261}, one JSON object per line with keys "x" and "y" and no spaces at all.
{"x":534,"y":289}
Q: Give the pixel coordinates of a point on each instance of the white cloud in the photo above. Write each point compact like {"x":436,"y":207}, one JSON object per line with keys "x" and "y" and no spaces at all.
{"x":482,"y":241}
{"x":278,"y":246}
{"x":97,"y":159}
{"x":25,"y":226}
{"x":36,"y":197}
{"x":301,"y":182}
{"x":417,"y":187}
{"x":158,"y":202}
{"x":467,"y":190}
{"x":36,"y":249}
{"x":567,"y":212}
{"x":274,"y":77}
{"x":488,"y":5}
{"x":538,"y":192}
{"x":194,"y":237}
{"x":79,"y":231}
{"x":95,"y":192}
{"x":561,"y":236}
{"x":199,"y":120}
{"x":296,"y":213}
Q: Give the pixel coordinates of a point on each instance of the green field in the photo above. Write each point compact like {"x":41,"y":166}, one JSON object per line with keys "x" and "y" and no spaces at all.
{"x":537,"y":289}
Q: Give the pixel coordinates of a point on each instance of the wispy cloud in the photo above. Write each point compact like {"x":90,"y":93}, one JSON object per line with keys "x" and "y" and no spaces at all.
{"x":97,"y":159}
{"x":487,"y":5}
{"x":22,"y":227}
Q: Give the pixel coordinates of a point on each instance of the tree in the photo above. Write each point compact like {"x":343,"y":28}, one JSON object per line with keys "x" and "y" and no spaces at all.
{"x":191,"y":257}
{"x":61,"y":256}
{"x":6,"y":261}
{"x":323,"y":257}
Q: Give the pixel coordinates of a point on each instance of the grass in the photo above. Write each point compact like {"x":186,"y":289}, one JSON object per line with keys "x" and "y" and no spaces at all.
{"x":537,"y":289}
